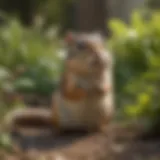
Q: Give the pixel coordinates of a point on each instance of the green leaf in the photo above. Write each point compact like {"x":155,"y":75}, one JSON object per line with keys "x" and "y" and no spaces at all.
{"x":118,"y":28}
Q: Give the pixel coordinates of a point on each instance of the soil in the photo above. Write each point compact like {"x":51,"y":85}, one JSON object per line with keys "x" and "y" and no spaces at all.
{"x":118,"y":143}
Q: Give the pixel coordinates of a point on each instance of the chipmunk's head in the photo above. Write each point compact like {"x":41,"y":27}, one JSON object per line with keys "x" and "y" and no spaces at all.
{"x":86,"y":53}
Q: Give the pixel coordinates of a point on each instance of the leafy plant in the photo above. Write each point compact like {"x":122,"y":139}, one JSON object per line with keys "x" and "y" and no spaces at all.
{"x":137,"y":52}
{"x":30,"y":63}
{"x":5,"y":142}
{"x":30,"y":56}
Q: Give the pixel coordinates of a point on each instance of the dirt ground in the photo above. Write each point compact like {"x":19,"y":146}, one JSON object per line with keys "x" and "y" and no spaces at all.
{"x":116,"y":144}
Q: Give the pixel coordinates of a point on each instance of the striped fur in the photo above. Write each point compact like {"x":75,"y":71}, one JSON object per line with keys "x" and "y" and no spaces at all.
{"x":85,"y":98}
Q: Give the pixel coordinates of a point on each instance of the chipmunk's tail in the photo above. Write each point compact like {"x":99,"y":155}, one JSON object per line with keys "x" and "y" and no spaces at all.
{"x":28,"y":118}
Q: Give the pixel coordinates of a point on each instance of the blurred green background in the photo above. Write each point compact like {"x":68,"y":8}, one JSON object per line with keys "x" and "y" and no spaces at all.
{"x":31,"y":51}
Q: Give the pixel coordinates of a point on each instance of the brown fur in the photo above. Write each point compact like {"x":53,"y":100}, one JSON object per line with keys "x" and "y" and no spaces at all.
{"x":70,"y":91}
{"x":85,"y":96}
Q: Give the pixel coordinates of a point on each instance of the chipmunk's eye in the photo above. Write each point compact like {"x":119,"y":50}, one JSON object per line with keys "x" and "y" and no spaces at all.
{"x":81,"y":45}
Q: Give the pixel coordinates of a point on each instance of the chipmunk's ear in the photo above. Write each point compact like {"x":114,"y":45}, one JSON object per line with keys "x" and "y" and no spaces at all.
{"x":70,"y":38}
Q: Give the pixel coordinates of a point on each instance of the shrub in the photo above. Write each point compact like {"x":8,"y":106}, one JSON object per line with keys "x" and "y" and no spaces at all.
{"x":30,"y":56}
{"x":137,"y":52}
{"x":59,"y":12}
{"x":5,"y":142}
{"x":30,"y":62}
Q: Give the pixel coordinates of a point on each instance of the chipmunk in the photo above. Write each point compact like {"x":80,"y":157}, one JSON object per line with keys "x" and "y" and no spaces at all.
{"x":85,"y":97}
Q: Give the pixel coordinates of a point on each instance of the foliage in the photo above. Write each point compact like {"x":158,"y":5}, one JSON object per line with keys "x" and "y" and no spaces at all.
{"x":137,"y":52}
{"x":153,"y":4}
{"x":5,"y":142}
{"x":58,"y":12}
{"x":30,"y":62}
{"x":30,"y":57}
